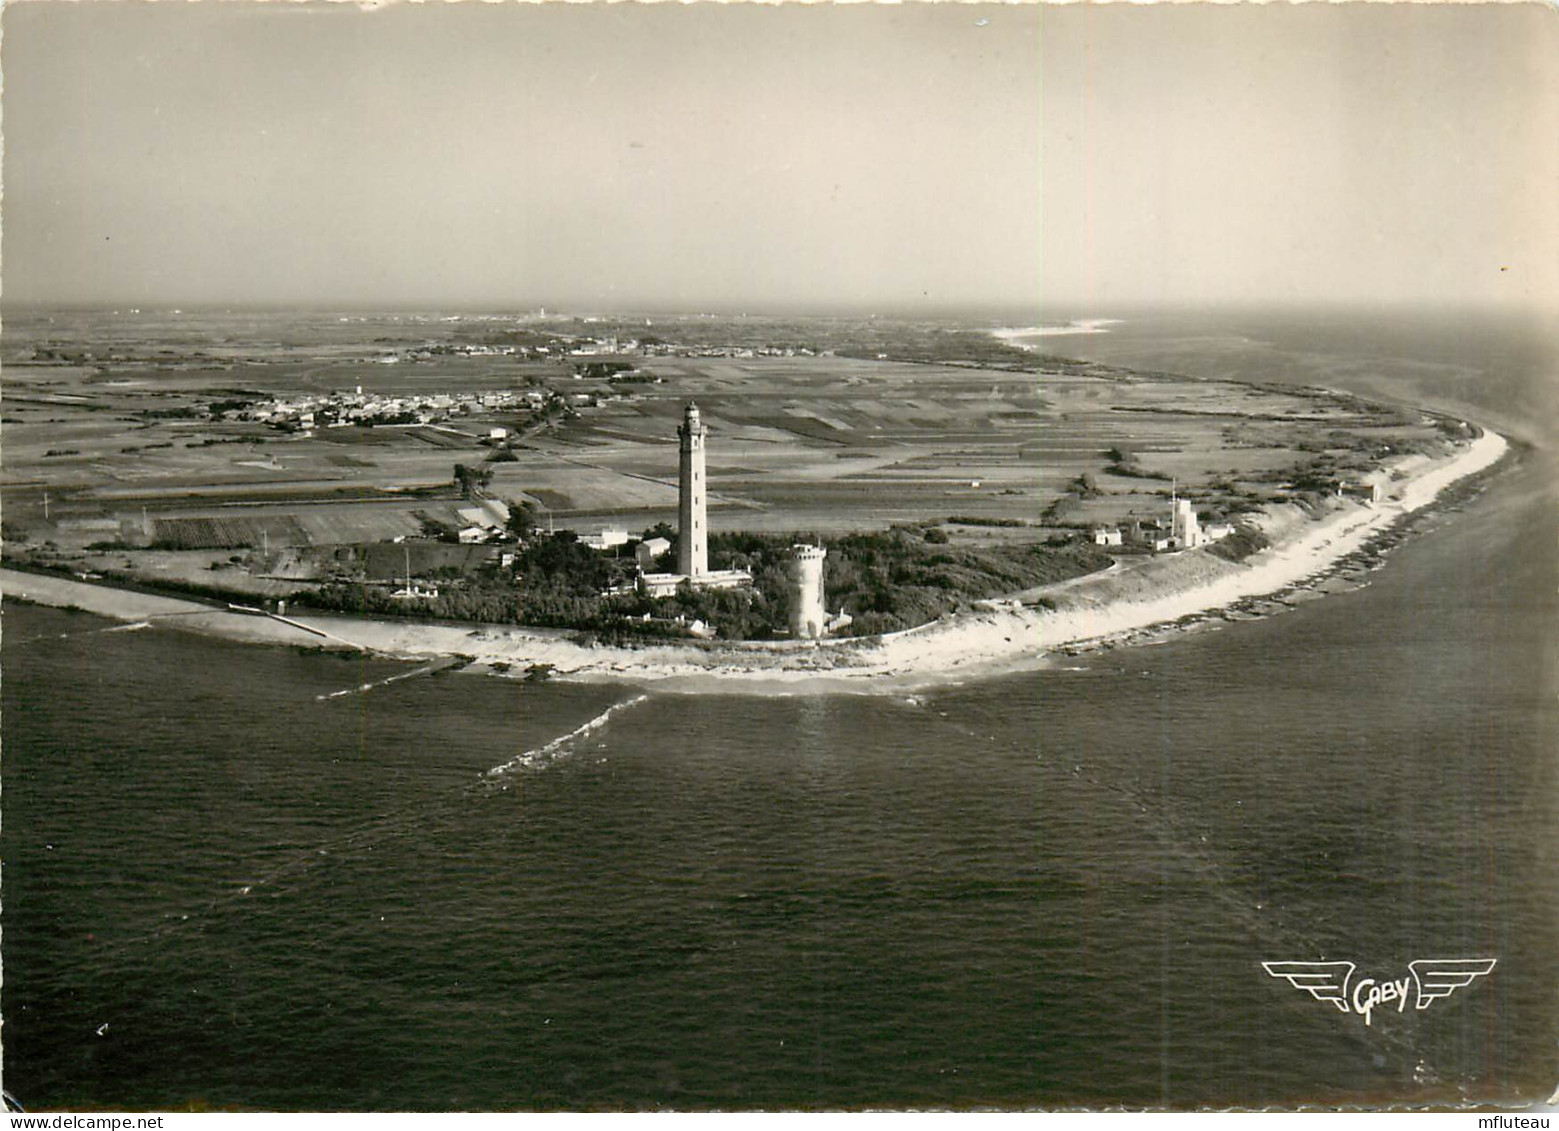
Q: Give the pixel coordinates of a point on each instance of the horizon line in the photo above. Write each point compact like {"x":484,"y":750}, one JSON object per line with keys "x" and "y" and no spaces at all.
{"x":1042,"y":313}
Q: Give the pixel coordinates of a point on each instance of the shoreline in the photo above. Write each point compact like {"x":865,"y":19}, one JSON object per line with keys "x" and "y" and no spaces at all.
{"x":1100,"y":608}
{"x":997,"y":638}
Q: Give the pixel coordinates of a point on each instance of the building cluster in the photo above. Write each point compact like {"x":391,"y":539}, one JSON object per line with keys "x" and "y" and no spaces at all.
{"x":337,"y":410}
{"x":470,"y":349}
{"x":809,"y":617}
{"x":1184,"y":531}
{"x":588,"y":345}
{"x":610,"y":345}
{"x":484,"y":521}
{"x":487,"y":520}
{"x":692,"y":520}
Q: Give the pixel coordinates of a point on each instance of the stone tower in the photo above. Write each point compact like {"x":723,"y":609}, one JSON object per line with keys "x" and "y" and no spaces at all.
{"x":807,"y":616}
{"x":692,"y":523}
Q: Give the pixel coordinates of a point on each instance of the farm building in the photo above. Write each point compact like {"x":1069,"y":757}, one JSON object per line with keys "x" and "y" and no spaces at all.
{"x":650,"y":549}
{"x":605,"y":540}
{"x":490,"y":515}
{"x":1366,"y":491}
{"x":665,"y":584}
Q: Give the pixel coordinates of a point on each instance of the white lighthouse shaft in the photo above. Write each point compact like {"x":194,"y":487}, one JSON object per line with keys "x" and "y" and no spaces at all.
{"x":692,"y":522}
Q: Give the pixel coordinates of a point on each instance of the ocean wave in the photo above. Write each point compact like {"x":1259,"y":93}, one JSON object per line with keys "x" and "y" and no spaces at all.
{"x":426,"y":669}
{"x":552,"y":749}
{"x":135,"y":627}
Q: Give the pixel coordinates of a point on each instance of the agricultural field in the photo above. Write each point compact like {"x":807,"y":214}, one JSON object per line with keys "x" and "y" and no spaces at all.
{"x":1115,"y":448}
{"x":224,"y":533}
{"x":112,"y":435}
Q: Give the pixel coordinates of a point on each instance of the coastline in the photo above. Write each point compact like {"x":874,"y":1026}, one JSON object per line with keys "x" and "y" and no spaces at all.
{"x":997,"y":638}
{"x":1103,"y":607}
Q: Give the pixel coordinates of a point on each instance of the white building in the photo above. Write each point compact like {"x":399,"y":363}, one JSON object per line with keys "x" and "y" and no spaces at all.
{"x":665,"y":584}
{"x":1106,"y":536}
{"x":649,"y":550}
{"x":605,"y":540}
{"x":1183,"y":526}
{"x":497,"y":510}
{"x":1366,"y":490}
{"x":660,"y":584}
{"x":491,"y":514}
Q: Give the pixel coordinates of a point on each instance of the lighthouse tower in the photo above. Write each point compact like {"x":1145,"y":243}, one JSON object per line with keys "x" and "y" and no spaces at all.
{"x":692,"y":524}
{"x":807,"y":616}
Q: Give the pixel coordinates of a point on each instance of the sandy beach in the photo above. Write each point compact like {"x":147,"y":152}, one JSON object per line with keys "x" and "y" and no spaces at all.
{"x":1185,"y":584}
{"x":997,"y":637}
{"x":988,"y":640}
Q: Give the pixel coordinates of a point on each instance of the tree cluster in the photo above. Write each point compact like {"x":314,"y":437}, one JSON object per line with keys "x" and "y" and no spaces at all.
{"x":887,"y":581}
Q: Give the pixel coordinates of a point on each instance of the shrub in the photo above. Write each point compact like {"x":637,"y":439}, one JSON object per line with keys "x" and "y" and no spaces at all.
{"x":1245,"y":541}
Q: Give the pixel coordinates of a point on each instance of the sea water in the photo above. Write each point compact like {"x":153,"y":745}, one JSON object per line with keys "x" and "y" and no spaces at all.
{"x":227,"y":887}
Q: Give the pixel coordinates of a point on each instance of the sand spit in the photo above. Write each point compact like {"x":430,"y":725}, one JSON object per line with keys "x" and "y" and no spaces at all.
{"x":1019,"y":335}
{"x":998,"y":637}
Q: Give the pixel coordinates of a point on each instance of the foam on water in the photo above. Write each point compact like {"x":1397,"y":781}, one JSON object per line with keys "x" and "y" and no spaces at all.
{"x":135,"y":627}
{"x":426,"y":669}
{"x":561,"y":744}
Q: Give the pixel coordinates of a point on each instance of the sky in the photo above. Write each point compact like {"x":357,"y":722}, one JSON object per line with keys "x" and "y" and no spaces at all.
{"x":1316,"y":153}
{"x":729,"y":158}
{"x":659,"y":155}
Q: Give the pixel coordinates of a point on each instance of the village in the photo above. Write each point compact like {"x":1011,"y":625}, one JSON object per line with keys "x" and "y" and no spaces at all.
{"x":341,"y":410}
